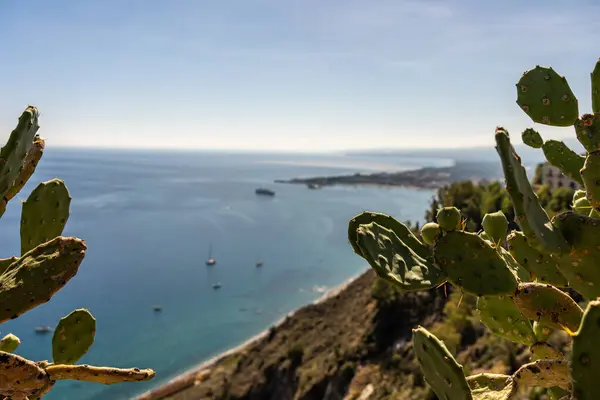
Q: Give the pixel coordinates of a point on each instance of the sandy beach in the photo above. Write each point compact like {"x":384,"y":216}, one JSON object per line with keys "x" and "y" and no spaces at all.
{"x":193,"y":375}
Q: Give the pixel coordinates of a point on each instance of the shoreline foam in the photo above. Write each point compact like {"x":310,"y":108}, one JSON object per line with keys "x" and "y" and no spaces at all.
{"x":188,"y":378}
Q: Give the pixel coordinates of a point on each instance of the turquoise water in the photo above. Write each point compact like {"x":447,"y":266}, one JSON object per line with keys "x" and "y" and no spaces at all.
{"x":148,"y":219}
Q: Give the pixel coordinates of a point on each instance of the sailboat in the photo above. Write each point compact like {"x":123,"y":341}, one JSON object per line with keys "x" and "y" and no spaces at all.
{"x":211,"y":260}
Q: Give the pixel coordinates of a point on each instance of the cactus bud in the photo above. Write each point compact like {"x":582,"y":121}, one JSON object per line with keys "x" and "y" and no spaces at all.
{"x":448,"y":218}
{"x":430,"y":232}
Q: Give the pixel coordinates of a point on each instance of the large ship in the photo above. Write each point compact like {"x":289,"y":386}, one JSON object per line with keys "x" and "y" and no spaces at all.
{"x":265,"y":192}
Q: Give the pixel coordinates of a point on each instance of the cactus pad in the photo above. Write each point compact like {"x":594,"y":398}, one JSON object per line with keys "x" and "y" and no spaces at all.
{"x":585,"y":364}
{"x":588,"y":131}
{"x":388,"y":222}
{"x":547,"y":98}
{"x":441,"y":371}
{"x":429,"y":232}
{"x":105,"y":375}
{"x":491,"y":387}
{"x":29,"y":165}
{"x":37,"y":275}
{"x":530,"y":215}
{"x":548,"y":305}
{"x":9,"y":343}
{"x":532,"y":138}
{"x":562,"y":157}
{"x":543,"y":351}
{"x":73,"y":337}
{"x":448,"y":218}
{"x":582,"y":206}
{"x":590,"y":174}
{"x":503,"y":318}
{"x":394,"y":261}
{"x":542,"y":332}
{"x":543,"y":267}
{"x":44,"y":214}
{"x":14,"y":152}
{"x":518,"y":271}
{"x":496,"y":226}
{"x":580,"y":266}
{"x":595,"y":75}
{"x":473,"y":264}
{"x":20,"y":377}
{"x":5,"y":263}
{"x":543,"y":373}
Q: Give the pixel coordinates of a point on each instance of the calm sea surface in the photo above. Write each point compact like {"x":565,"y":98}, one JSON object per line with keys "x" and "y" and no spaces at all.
{"x":149,"y":218}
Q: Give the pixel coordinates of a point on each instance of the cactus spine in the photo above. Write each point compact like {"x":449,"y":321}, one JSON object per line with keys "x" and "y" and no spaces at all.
{"x":47,"y":262}
{"x":517,"y":280}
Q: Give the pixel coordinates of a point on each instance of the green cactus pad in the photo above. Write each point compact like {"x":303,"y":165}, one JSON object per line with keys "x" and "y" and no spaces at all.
{"x":582,"y":206}
{"x":530,"y":215}
{"x":590,"y":174}
{"x":543,"y":373}
{"x":588,"y":131}
{"x":14,"y":152}
{"x":29,"y":165}
{"x":585,"y":364}
{"x":5,"y":263}
{"x":543,"y":351}
{"x":595,"y":75}
{"x":496,"y":226}
{"x":448,"y":218}
{"x":441,"y":371}
{"x":562,"y":157}
{"x":485,"y":236}
{"x":518,"y":271}
{"x":532,"y":138}
{"x":543,"y":267}
{"x":73,"y":337}
{"x":9,"y":343}
{"x":473,"y":264}
{"x":580,"y":266}
{"x":548,"y":305}
{"x":44,"y":214}
{"x":388,"y":222}
{"x":20,"y":377}
{"x":395,"y":261}
{"x":37,"y":275}
{"x":542,"y":332}
{"x":429,"y":232}
{"x":491,"y":387}
{"x":503,"y":318}
{"x":547,"y":98}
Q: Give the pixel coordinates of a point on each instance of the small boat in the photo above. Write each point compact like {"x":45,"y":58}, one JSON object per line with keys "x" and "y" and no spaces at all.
{"x":211,"y":260}
{"x":43,"y":329}
{"x":157,"y":308}
{"x":216,"y":286}
{"x":313,"y":186}
{"x":259,"y":263}
{"x":265,"y":192}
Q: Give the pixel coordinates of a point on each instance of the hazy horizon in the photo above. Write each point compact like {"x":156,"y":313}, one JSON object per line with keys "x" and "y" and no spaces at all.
{"x":289,"y":76}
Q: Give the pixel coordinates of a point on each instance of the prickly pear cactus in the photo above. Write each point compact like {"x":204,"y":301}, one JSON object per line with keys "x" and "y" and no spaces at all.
{"x":521,"y":282}
{"x":47,"y":262}
{"x":45,"y":214}
{"x":532,"y":138}
{"x":73,"y":337}
{"x":9,"y":343}
{"x":547,"y":98}
{"x":441,"y":371}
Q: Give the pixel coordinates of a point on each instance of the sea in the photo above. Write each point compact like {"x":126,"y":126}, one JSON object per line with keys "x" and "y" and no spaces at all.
{"x":149,"y":219}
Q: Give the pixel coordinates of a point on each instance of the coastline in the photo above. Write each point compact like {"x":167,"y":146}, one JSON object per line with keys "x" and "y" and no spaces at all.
{"x":194,"y":375}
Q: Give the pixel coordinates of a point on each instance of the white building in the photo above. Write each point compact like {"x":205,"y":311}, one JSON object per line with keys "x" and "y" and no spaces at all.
{"x":553,"y":177}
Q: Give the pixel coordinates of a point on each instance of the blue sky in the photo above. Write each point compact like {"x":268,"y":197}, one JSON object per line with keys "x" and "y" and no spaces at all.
{"x":285,"y":74}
